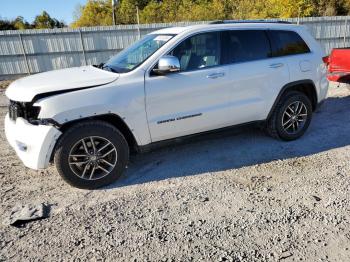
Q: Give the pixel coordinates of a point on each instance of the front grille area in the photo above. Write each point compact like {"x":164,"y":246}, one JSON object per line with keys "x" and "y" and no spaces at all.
{"x":25,"y":110}
{"x":15,"y":110}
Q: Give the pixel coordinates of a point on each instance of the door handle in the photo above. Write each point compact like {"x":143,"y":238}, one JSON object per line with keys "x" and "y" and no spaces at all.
{"x":277,"y":65}
{"x":215,"y":75}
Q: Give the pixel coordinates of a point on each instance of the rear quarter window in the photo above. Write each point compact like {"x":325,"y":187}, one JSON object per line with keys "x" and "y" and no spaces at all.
{"x":287,"y":43}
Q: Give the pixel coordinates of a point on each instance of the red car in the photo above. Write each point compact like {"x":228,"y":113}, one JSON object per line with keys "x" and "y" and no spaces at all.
{"x":338,"y":65}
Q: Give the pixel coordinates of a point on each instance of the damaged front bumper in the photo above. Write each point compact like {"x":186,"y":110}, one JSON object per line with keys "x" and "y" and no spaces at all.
{"x":32,"y":143}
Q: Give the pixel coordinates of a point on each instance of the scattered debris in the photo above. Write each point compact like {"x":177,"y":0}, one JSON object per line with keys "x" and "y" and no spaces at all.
{"x":8,"y":189}
{"x":23,"y":214}
{"x":285,"y":255}
{"x":266,"y":189}
{"x":318,"y":199}
{"x":204,"y":199}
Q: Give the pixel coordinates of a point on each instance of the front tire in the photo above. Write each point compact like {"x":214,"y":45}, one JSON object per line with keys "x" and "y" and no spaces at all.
{"x":291,"y":117}
{"x":91,"y":154}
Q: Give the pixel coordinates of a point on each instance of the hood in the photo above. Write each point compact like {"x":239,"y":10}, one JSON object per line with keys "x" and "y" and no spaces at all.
{"x":25,"y":89}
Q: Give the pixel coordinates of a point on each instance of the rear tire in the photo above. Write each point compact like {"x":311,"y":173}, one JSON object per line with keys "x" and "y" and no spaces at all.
{"x":91,"y":154}
{"x":291,"y":117}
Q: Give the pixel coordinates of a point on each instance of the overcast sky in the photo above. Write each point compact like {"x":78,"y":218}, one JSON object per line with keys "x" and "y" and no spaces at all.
{"x":59,"y":9}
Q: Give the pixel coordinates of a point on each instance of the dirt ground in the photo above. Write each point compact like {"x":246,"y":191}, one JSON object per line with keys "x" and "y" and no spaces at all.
{"x":4,"y":83}
{"x":238,"y":197}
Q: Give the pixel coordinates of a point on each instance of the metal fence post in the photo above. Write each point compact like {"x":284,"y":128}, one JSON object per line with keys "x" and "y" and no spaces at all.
{"x":82,"y":46}
{"x":24,"y":53}
{"x":345,"y":27}
{"x":138,"y":22}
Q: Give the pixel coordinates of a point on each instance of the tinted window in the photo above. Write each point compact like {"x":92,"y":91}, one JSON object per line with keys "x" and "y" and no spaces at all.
{"x":199,"y":51}
{"x":242,"y":46}
{"x":287,"y":43}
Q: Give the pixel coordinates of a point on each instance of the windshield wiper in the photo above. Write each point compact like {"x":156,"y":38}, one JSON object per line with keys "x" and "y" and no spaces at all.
{"x":103,"y":66}
{"x":99,"y":65}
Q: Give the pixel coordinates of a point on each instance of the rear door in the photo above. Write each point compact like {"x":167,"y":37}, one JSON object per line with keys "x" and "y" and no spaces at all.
{"x":256,"y":77}
{"x":295,"y":51}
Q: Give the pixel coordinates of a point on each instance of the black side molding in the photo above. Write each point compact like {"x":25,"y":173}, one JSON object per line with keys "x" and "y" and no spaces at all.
{"x":211,"y":134}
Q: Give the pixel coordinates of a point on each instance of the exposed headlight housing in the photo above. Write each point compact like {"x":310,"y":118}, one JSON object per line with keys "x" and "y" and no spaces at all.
{"x":23,"y":109}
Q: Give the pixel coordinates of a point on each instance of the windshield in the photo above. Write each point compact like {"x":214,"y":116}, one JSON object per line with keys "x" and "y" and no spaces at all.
{"x":136,"y":54}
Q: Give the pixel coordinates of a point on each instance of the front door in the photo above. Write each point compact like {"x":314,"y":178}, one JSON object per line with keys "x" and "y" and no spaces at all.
{"x":194,"y":100}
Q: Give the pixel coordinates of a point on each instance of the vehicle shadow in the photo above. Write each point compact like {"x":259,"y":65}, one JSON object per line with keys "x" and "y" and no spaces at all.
{"x":242,"y":147}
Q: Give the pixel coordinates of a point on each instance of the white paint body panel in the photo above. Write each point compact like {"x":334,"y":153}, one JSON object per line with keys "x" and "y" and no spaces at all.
{"x":184,"y":94}
{"x":318,"y":70}
{"x":124,"y":98}
{"x":254,"y":94}
{"x":25,"y":89}
{"x":237,"y":97}
{"x":246,"y":92}
{"x":39,"y":140}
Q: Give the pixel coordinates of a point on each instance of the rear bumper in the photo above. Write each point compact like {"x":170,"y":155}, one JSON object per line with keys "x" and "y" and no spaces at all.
{"x":32,"y":143}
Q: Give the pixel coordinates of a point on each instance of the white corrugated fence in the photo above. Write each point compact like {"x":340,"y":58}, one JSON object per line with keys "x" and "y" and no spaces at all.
{"x":33,"y":51}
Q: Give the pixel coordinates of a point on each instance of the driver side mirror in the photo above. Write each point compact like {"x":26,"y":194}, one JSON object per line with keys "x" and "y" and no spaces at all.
{"x":167,"y":64}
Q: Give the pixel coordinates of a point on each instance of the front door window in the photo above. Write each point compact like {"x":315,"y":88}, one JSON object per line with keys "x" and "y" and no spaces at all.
{"x":199,"y":51}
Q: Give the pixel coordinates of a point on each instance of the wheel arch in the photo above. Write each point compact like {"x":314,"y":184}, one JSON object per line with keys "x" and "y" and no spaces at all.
{"x":306,"y":87}
{"x":112,"y":119}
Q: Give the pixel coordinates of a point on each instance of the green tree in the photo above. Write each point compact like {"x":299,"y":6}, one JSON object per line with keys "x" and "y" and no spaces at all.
{"x":152,"y":12}
{"x":161,"y":11}
{"x":20,"y":24}
{"x":17,"y":24}
{"x":185,"y":10}
{"x":201,"y":10}
{"x":329,"y":7}
{"x":44,"y":20}
{"x":94,"y":13}
{"x":6,"y":25}
{"x":126,"y":13}
{"x":99,"y":12}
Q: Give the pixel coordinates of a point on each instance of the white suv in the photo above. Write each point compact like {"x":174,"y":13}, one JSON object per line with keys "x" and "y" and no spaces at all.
{"x":173,"y":83}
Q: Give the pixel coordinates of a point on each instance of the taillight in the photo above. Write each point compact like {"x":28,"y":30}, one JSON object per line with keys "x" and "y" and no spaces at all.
{"x":325,"y":60}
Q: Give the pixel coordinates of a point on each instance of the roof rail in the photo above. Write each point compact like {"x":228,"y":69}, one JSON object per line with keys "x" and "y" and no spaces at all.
{"x":248,"y":21}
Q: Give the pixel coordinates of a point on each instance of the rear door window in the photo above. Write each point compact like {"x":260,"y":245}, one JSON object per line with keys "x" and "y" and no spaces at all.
{"x":243,"y":46}
{"x":287,"y":43}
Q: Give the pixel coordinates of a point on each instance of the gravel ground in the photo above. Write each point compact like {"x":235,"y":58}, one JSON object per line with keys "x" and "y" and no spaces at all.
{"x":3,"y":98}
{"x":238,"y":197}
{"x":4,"y":83}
